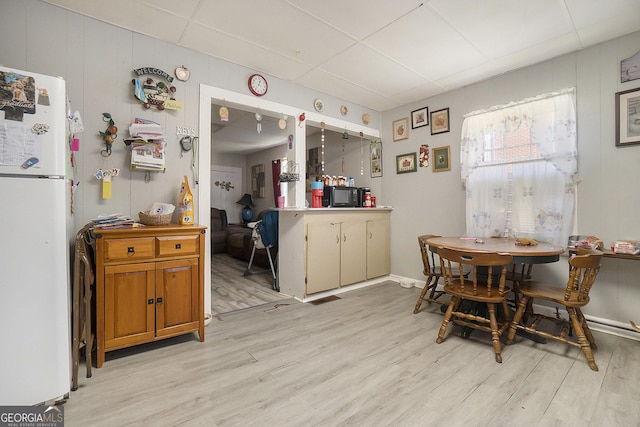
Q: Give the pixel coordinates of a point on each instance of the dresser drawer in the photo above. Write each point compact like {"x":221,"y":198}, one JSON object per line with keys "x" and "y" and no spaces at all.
{"x":177,"y":245}
{"x":129,"y":249}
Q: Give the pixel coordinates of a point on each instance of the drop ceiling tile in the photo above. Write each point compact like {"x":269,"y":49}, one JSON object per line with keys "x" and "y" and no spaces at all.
{"x":241,"y":52}
{"x":183,"y":8}
{"x":427,"y":52}
{"x":139,"y":17}
{"x":498,"y":27}
{"x":371,"y":70}
{"x":532,"y":55}
{"x":277,"y":25}
{"x":358,"y":18}
{"x":324,"y":82}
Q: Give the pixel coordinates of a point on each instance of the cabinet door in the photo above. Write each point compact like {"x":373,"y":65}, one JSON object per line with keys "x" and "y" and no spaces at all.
{"x":129,"y":304}
{"x":378,"y":232}
{"x":322,"y":257}
{"x":353,"y":252}
{"x":177,"y":297}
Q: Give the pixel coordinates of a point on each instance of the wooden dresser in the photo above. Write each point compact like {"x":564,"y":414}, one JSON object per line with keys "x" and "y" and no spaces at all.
{"x":149,"y":284}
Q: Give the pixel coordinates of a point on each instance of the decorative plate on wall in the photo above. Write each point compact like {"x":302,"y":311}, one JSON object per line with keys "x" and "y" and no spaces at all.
{"x":318,"y":104}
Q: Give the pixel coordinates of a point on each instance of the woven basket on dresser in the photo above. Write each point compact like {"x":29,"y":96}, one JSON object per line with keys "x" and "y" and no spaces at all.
{"x":147,"y":219}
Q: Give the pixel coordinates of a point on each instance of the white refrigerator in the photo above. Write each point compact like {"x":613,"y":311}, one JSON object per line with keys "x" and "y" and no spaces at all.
{"x":35,"y":365}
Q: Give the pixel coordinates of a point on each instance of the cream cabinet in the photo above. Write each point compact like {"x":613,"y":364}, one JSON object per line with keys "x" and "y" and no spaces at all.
{"x":149,"y":285}
{"x":378,"y":253}
{"x":345,"y":248}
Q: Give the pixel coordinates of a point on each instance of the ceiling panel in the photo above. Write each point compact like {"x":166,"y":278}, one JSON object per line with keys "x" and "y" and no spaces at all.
{"x":277,"y":26}
{"x":498,"y":27}
{"x":377,"y":53}
{"x":362,"y":65}
{"x":424,"y":42}
{"x":229,"y":48}
{"x":359,"y":18}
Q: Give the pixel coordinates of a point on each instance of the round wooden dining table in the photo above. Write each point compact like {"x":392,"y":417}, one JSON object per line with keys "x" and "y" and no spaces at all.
{"x":540,"y":254}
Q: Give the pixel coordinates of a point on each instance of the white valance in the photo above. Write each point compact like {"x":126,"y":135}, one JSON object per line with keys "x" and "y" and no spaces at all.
{"x":551,"y":119}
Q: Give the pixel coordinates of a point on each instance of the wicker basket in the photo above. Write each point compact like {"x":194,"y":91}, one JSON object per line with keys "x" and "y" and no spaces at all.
{"x":148,"y":219}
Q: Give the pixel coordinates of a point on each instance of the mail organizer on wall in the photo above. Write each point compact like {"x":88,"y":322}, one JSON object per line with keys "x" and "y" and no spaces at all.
{"x":147,"y":146}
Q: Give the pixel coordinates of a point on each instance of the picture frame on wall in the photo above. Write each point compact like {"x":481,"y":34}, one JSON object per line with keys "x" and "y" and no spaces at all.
{"x":419,"y":118}
{"x":441,"y":159}
{"x":628,"y":117}
{"x":401,"y":129}
{"x":406,"y":163}
{"x":375,"y":150}
{"x":440,"y":121}
{"x":257,"y":181}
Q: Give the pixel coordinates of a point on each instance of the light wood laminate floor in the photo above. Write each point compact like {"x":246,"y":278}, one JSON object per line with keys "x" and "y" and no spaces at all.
{"x":362,"y":360}
{"x":231,"y":290}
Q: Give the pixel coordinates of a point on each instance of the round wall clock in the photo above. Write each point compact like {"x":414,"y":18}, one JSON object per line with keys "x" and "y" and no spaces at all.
{"x":258,"y":85}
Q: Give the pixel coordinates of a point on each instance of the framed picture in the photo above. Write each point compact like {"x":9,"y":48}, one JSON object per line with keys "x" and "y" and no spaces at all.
{"x":440,"y":159}
{"x":401,"y":129}
{"x":628,"y":117}
{"x":376,"y":159}
{"x":440,"y":121}
{"x":419,"y":117}
{"x":406,"y":163}
{"x":257,"y":181}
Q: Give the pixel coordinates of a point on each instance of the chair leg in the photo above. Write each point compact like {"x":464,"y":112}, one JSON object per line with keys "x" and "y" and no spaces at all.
{"x":447,"y":317}
{"x":495,"y":336}
{"x":88,"y":332}
{"x":582,"y":339}
{"x":247,"y":272}
{"x":75,"y":348}
{"x":517,"y":318}
{"x":587,"y":331}
{"x":433,"y":287}
{"x":426,"y":287}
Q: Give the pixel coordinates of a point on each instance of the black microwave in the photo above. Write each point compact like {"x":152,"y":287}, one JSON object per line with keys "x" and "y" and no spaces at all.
{"x":340,"y":197}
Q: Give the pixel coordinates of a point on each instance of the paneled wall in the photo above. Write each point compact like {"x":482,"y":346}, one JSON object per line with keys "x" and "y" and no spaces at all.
{"x":608,"y":198}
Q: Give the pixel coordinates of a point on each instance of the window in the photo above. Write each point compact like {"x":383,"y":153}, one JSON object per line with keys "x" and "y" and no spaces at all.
{"x":518,"y":164}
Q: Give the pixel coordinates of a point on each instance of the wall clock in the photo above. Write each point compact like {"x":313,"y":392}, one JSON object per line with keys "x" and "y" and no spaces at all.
{"x":258,"y":85}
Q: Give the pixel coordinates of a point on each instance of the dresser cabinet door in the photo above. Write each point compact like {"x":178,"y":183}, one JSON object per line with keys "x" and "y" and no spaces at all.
{"x":129,"y":293}
{"x":177,"y":296}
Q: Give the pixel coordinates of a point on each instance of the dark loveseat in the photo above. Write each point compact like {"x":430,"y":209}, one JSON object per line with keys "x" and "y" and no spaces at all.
{"x":235,"y":239}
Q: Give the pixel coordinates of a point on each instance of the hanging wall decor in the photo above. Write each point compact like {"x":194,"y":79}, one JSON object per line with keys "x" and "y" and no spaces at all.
{"x":376,"y":159}
{"x":109,"y":135}
{"x":322,"y":146}
{"x":152,"y":93}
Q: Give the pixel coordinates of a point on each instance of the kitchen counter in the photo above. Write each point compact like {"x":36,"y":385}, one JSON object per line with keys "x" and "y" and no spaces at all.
{"x":324,"y":251}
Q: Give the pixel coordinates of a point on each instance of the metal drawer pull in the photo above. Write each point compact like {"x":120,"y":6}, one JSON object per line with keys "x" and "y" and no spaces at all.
{"x":131,"y":251}
{"x":150,"y":301}
{"x":178,"y":246}
{"x":159,"y":300}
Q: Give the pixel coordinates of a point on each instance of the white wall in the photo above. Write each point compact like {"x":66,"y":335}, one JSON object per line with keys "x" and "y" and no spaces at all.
{"x":608,"y":201}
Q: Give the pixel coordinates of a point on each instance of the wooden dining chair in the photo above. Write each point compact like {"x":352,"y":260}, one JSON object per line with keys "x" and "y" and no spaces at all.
{"x":583,"y":270}
{"x":517,"y":275}
{"x":485,"y":285}
{"x":431,"y":270}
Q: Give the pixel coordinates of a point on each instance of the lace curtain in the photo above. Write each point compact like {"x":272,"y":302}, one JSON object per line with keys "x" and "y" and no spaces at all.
{"x":526,"y":197}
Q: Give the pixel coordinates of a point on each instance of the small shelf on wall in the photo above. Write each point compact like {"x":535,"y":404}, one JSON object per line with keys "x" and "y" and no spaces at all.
{"x":291,"y":174}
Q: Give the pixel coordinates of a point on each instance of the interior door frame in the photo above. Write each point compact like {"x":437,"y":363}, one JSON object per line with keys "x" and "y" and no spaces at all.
{"x":297,"y":153}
